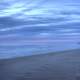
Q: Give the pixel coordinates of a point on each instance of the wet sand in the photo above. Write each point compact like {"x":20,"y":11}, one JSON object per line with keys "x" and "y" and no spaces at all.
{"x":63,"y":65}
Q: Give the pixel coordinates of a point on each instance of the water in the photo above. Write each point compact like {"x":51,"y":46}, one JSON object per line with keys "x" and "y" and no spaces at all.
{"x":36,"y":27}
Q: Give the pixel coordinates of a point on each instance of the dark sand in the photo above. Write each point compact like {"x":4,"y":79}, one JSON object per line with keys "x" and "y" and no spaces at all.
{"x":54,"y":66}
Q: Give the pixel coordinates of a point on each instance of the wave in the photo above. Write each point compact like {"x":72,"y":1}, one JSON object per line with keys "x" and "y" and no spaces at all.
{"x":41,"y":23}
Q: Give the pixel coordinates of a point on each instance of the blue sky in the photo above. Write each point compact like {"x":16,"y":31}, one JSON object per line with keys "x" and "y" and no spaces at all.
{"x":36,"y":26}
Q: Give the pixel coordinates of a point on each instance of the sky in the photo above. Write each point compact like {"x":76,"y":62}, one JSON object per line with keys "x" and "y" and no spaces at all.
{"x":29,"y":27}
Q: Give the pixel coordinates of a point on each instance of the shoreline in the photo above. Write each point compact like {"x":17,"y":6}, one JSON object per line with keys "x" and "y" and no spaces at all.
{"x":49,"y":53}
{"x":63,"y":65}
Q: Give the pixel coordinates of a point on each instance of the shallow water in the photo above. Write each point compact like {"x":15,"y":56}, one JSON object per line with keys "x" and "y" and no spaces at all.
{"x":36,"y":27}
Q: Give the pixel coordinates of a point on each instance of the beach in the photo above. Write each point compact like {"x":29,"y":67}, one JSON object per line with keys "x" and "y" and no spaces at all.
{"x":64,"y":65}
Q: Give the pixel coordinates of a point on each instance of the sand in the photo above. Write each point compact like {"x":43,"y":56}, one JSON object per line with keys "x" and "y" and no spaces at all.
{"x":63,"y":65}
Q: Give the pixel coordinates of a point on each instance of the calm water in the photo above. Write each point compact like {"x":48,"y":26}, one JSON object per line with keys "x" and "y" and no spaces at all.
{"x":29,"y":27}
